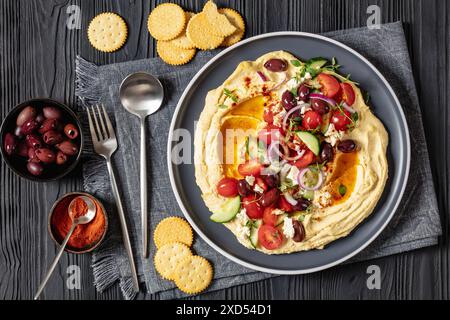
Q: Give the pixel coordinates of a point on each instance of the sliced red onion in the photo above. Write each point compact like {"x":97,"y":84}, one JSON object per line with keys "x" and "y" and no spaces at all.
{"x":298,"y":156}
{"x":280,"y":83}
{"x":289,"y":198}
{"x":348,"y":108}
{"x":303,"y":185}
{"x":262,"y":76}
{"x":323,"y":98}
{"x":288,"y":114}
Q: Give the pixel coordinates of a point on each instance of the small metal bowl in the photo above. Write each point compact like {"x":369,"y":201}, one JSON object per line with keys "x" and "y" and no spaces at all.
{"x":53,"y":234}
{"x":18,"y":164}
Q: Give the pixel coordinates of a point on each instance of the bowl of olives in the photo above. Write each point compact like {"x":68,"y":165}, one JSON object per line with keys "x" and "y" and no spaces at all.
{"x":41,"y":140}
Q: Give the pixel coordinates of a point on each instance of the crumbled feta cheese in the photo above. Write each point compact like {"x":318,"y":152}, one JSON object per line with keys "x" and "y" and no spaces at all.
{"x":278,"y":118}
{"x":307,"y":75}
{"x":250,"y":180}
{"x":277,"y":212}
{"x":332,"y":135}
{"x":243,"y":233}
{"x":288,"y":228}
{"x":242,"y":216}
{"x":324,"y":199}
{"x":277,"y":108}
{"x":292,"y":175}
{"x":258,"y":189}
{"x":292,"y":83}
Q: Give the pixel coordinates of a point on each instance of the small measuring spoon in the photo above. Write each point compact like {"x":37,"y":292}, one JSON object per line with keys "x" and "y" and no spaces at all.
{"x":86,"y":218}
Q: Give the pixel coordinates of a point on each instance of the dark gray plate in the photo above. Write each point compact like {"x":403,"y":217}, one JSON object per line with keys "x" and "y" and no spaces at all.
{"x":385,"y":105}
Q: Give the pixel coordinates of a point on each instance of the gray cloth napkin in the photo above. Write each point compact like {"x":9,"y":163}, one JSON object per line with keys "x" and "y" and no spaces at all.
{"x":416,"y":223}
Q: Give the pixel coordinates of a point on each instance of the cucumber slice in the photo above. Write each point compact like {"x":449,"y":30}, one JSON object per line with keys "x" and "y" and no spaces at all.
{"x":280,"y":219}
{"x":227,"y":211}
{"x":313,"y":65}
{"x":254,"y":233}
{"x":310,"y":140}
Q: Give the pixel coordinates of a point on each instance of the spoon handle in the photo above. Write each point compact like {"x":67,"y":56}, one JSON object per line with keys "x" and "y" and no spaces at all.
{"x":55,"y":261}
{"x":143,"y":180}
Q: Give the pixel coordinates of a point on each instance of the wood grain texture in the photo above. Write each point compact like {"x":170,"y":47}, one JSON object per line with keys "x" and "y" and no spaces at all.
{"x":37,"y":54}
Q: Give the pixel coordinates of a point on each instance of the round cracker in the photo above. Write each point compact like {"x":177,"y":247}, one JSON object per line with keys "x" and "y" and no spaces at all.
{"x":107,"y":32}
{"x":182,"y":41}
{"x":199,"y":32}
{"x":168,"y":257}
{"x":193,"y":274}
{"x":174,"y":55}
{"x":173,"y":229}
{"x":236,"y":19}
{"x":219,"y":23}
{"x":166,"y":21}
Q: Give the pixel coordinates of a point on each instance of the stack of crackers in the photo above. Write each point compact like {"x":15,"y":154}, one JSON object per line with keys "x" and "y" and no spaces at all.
{"x":174,"y":259}
{"x":179,"y":34}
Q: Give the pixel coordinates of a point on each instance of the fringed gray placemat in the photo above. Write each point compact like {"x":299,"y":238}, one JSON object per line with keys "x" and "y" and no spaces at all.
{"x":416,"y":223}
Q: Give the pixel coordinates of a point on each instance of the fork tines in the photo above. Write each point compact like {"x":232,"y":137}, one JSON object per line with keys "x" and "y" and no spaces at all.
{"x":100,"y":131}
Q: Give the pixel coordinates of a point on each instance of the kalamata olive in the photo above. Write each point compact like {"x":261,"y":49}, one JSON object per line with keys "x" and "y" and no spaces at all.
{"x":35,"y":168}
{"x":28,"y":113}
{"x":10,"y":143}
{"x":68,"y":147}
{"x":29,"y":126}
{"x":276,"y":65}
{"x":51,"y":112}
{"x":71,"y":131}
{"x":32,"y":157}
{"x":244,"y":188}
{"x":347,"y":146}
{"x":22,"y":149}
{"x":33,"y":141}
{"x":320,"y":106}
{"x":288,"y":100}
{"x":40,"y":118}
{"x":303,"y":93}
{"x":270,"y":197}
{"x":302,"y":204}
{"x":272,"y":180}
{"x":326,"y":152}
{"x":18,"y":132}
{"x":299,"y":231}
{"x":45,"y":155}
{"x":52,"y":137}
{"x":61,"y":158}
{"x":49,"y":124}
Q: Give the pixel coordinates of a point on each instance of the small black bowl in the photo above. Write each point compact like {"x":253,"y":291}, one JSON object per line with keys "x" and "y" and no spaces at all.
{"x":19,"y":164}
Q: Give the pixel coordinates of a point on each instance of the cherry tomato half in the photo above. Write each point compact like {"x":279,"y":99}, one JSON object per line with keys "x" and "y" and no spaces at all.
{"x":311,"y":120}
{"x":305,"y":160}
{"x":250,"y":168}
{"x":227,"y":187}
{"x":269,"y":217}
{"x":330,"y":85}
{"x":341,"y":119}
{"x":252,"y":207}
{"x":348,"y":95}
{"x":270,"y":237}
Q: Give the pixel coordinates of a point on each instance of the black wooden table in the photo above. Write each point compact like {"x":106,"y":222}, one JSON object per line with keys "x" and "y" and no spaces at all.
{"x":37,"y":52}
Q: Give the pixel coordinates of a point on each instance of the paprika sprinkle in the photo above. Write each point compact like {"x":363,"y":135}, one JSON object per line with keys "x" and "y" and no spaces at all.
{"x":84,"y":236}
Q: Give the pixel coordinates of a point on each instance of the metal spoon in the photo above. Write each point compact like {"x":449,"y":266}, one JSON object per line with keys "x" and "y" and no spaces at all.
{"x":142,"y":95}
{"x":86,"y":218}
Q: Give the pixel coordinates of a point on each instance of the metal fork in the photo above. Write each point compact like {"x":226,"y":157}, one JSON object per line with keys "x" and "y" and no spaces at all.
{"x":105,"y":144}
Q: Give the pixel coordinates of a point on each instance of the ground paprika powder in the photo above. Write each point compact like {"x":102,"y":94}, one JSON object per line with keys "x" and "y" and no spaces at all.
{"x":85,"y":235}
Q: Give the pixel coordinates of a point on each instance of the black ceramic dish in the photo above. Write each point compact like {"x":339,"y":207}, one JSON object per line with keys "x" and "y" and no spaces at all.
{"x":19,"y":164}
{"x":384,"y":104}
